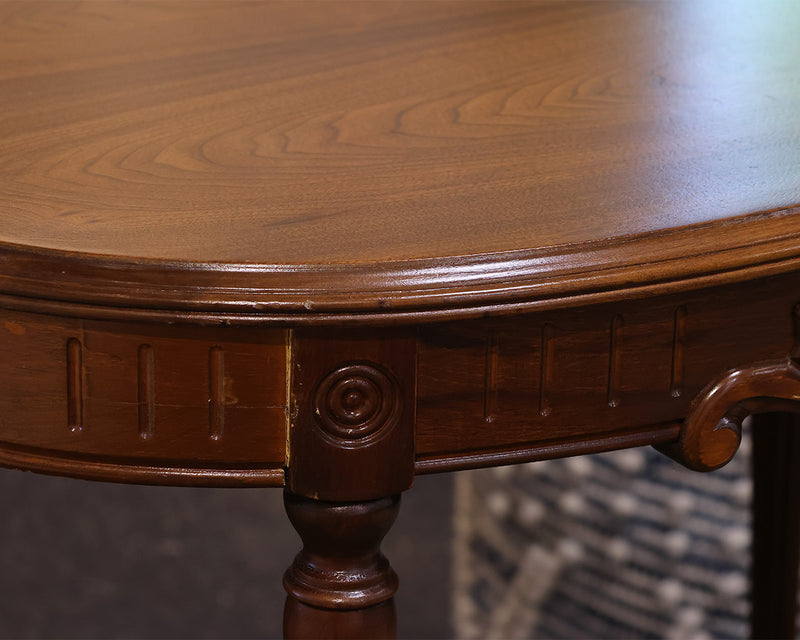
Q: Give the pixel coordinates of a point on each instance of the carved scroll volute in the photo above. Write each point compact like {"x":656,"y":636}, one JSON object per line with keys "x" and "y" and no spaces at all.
{"x":712,"y":431}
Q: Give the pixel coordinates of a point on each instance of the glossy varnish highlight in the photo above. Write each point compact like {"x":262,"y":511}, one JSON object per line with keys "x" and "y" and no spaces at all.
{"x":366,"y":157}
{"x":145,"y":397}
{"x":571,"y":227}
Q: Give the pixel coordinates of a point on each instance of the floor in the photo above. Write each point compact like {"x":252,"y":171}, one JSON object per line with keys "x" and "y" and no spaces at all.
{"x":91,"y":560}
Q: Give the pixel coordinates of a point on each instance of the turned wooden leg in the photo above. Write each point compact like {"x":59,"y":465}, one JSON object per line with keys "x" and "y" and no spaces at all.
{"x":776,"y":524}
{"x":340,"y":585}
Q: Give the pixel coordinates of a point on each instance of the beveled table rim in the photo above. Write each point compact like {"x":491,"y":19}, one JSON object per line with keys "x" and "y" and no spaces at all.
{"x":420,"y":290}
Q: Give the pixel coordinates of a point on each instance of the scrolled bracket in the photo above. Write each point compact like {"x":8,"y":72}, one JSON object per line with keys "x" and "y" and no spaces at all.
{"x":712,"y":431}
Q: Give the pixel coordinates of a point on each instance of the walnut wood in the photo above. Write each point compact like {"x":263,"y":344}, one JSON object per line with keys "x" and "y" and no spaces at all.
{"x":322,"y":160}
{"x":570,"y":227}
{"x":712,"y":431}
{"x":159,"y":400}
{"x":776,"y":524}
{"x":372,"y":623}
{"x":351,"y":432}
{"x":536,"y":386}
{"x":340,"y":567}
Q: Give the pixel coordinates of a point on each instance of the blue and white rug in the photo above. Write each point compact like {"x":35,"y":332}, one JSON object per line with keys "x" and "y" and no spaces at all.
{"x":618,"y":545}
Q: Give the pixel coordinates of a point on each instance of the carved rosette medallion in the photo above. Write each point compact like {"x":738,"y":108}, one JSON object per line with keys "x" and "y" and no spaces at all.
{"x":356,"y":404}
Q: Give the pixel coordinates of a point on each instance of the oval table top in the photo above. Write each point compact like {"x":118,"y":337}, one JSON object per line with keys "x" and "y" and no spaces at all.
{"x":315,"y":161}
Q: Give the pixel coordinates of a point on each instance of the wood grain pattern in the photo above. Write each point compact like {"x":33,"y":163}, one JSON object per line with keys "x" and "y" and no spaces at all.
{"x":509,"y":388}
{"x":320,"y":160}
{"x":340,"y":585}
{"x":712,"y":430}
{"x":138,"y":396}
{"x":341,"y":566}
{"x":584,"y":213}
{"x":352,"y":413}
{"x":590,"y":378}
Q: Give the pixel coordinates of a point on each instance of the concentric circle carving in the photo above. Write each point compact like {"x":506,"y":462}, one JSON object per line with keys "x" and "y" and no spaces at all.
{"x":354,"y":403}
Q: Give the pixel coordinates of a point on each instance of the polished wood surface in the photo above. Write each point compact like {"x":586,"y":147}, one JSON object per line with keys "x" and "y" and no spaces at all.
{"x":173,"y":404}
{"x":341,"y":568}
{"x":531,"y":386}
{"x":570,"y":226}
{"x":325,"y":158}
{"x":776,"y":525}
{"x":357,"y":441}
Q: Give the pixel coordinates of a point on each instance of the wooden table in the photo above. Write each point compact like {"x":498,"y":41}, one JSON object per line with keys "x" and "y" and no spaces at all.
{"x":329,"y":246}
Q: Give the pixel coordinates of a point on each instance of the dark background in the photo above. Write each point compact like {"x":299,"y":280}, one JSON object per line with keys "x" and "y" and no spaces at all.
{"x":94,"y":560}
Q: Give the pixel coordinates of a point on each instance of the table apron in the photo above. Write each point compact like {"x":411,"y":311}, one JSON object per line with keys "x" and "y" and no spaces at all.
{"x":226,"y":405}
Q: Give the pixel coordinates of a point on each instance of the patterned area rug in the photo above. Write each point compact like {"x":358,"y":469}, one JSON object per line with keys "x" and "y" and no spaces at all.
{"x":619,"y":545}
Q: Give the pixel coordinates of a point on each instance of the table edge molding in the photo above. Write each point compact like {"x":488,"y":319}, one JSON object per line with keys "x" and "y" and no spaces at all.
{"x":653,"y":435}
{"x":136,"y":471}
{"x":684,"y":258}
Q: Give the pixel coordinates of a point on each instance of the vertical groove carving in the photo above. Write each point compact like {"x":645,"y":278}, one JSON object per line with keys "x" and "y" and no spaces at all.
{"x":678,"y":352}
{"x":147,"y":393}
{"x":490,"y":381}
{"x":546,"y":373}
{"x":75,"y":384}
{"x":216,"y":393}
{"x":614,"y":360}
